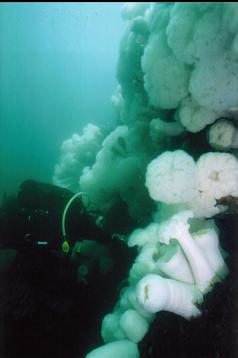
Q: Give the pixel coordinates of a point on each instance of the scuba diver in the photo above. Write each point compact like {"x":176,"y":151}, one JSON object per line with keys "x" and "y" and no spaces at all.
{"x":59,"y":272}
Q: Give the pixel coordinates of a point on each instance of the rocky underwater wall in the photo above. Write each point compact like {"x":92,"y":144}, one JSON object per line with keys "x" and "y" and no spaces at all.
{"x":172,"y":161}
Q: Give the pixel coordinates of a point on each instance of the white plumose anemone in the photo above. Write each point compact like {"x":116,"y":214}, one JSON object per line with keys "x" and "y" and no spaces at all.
{"x":171,"y":177}
{"x":156,"y":294}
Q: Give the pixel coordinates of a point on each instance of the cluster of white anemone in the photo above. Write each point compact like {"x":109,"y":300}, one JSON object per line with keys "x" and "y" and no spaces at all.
{"x":177,"y":74}
{"x":175,"y":178}
{"x":179,"y":260}
{"x":190,"y":60}
{"x":77,"y":152}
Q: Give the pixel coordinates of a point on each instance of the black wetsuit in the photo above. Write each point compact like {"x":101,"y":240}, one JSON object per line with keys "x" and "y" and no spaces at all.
{"x":45,"y":311}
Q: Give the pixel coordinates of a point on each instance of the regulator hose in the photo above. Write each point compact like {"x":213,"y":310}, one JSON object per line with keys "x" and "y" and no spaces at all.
{"x":65,"y":245}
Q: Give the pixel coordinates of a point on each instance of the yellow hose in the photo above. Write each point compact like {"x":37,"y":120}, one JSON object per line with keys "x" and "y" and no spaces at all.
{"x":65,"y":244}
